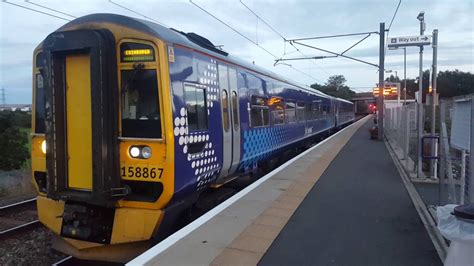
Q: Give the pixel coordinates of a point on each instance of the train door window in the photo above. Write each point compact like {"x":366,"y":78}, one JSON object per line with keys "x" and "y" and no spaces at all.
{"x":300,"y":111}
{"x":140,"y":108}
{"x":277,"y":106}
{"x":235,"y":97}
{"x":195,"y":99}
{"x":259,"y":113}
{"x":225,"y":110}
{"x":235,"y":110}
{"x":224,"y":86}
{"x":290,"y":111}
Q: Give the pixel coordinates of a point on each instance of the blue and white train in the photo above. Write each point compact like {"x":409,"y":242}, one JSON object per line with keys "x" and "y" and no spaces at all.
{"x":133,"y":121}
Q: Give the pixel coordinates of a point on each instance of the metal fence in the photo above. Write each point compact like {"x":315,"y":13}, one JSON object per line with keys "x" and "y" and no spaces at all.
{"x":446,"y":165}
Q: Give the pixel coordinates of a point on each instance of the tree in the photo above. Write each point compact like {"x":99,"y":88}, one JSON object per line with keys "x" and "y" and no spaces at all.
{"x":335,"y":86}
{"x":336,"y":81}
{"x":450,"y":83}
{"x":13,"y":150}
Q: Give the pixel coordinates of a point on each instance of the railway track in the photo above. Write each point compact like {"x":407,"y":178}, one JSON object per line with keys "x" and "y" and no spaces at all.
{"x":18,"y":217}
{"x":64,"y":261}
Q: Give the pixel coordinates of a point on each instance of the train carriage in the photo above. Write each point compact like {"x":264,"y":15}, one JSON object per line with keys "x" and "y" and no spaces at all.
{"x":133,"y":121}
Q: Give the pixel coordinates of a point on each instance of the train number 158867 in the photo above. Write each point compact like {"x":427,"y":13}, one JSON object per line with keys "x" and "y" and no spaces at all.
{"x":141,"y":172}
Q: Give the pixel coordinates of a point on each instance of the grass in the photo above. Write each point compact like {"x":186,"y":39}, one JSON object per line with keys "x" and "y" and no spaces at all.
{"x":27,"y":131}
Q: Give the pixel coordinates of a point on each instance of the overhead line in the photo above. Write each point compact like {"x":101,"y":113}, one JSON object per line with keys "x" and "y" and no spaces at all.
{"x":248,"y":39}
{"x":34,"y":10}
{"x":232,"y":28}
{"x":283,"y":37}
{"x":394,"y":14}
{"x":332,"y":36}
{"x":51,"y":9}
{"x":137,"y":13}
{"x":338,"y":54}
{"x":261,"y":19}
{"x":361,"y":40}
{"x":390,"y":26}
{"x":314,"y":63}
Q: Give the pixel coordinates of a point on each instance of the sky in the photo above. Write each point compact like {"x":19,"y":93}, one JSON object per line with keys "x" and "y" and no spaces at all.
{"x":22,"y":30}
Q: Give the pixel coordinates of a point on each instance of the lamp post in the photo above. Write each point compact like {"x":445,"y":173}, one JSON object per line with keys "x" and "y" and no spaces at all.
{"x":421,"y":18}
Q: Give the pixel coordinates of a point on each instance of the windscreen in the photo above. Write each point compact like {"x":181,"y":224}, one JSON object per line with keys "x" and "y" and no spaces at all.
{"x":140,"y":108}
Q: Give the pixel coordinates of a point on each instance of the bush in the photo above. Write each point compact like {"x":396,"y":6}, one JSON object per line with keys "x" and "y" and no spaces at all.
{"x":13,"y":143}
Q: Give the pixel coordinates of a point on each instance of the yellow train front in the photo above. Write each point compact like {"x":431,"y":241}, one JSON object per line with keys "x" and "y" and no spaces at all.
{"x":100,"y":158}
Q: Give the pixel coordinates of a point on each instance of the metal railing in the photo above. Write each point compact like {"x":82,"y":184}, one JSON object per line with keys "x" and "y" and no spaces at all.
{"x":446,"y":164}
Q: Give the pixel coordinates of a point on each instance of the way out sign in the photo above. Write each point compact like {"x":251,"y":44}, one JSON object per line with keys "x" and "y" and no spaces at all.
{"x":409,"y":41}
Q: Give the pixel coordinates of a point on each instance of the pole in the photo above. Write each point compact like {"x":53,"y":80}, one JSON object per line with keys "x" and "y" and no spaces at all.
{"x":420,"y":105}
{"x":404,"y":75}
{"x":433,"y":98}
{"x":471,"y":152}
{"x":381,"y":76}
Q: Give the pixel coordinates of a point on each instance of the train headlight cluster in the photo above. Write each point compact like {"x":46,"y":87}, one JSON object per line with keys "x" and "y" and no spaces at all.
{"x":43,"y":146}
{"x":141,"y":152}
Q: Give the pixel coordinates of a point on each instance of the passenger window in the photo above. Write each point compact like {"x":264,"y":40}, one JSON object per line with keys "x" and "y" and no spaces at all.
{"x":195,"y":99}
{"x":140,"y":109}
{"x":254,"y":84}
{"x":300,"y":111}
{"x":259,"y":114}
{"x":290,"y":111}
{"x":225,"y":110}
{"x":316,"y":109}
{"x":277,"y":106}
{"x":308,"y":112}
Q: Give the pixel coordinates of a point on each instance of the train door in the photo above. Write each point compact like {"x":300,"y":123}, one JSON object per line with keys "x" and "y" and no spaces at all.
{"x":81,"y":121}
{"x":230,"y":120}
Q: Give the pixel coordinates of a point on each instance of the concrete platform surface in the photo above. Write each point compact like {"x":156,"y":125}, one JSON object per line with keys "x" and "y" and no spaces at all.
{"x":358,"y":213}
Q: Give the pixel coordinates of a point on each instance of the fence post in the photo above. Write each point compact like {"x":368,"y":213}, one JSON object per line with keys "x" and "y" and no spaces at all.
{"x":448,"y":166}
{"x":463,"y":176}
{"x":471,"y":157}
{"x":406,"y":133}
{"x":442,"y":155}
{"x":419,"y":143}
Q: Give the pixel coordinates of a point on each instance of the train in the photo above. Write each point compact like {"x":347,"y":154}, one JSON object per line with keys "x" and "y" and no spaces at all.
{"x":132,"y":122}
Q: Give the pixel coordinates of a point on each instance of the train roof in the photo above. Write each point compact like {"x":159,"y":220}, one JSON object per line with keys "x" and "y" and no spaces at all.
{"x":344,"y":100}
{"x":183,"y":39}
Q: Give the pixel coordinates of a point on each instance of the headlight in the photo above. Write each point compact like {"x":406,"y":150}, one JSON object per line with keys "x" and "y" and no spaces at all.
{"x":141,"y":152}
{"x":43,"y":146}
{"x":134,"y":152}
{"x":146,"y":152}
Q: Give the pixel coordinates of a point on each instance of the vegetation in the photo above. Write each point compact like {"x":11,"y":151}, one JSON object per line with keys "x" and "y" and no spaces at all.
{"x":336,"y":87}
{"x":450,"y":83}
{"x":14,"y":150}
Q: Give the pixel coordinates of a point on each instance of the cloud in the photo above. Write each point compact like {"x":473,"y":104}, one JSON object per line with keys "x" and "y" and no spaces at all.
{"x":290,"y":18}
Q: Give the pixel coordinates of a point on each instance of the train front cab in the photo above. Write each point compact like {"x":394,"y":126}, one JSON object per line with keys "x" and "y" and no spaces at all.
{"x":100,"y":158}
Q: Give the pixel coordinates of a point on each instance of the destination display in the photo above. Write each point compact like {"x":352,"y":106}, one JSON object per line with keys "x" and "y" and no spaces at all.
{"x":136,"y":52}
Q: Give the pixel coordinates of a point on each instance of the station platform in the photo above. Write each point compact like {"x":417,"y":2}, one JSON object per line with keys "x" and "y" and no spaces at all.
{"x":342,"y":202}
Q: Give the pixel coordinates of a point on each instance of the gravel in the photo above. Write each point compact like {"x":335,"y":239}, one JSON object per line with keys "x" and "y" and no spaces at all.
{"x":32,"y":247}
